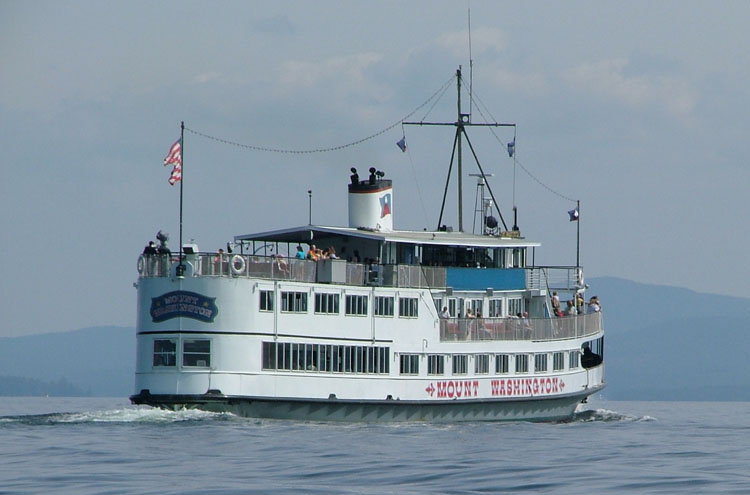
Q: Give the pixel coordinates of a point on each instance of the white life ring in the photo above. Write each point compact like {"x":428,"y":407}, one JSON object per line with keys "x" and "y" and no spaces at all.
{"x":141,"y":264}
{"x":238,"y":264}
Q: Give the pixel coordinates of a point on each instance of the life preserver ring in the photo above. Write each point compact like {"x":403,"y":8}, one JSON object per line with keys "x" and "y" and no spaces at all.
{"x":238,"y":264}
{"x":141,"y":264}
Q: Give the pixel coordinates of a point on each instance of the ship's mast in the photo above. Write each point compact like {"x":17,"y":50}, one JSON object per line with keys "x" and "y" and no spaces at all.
{"x":463,"y":121}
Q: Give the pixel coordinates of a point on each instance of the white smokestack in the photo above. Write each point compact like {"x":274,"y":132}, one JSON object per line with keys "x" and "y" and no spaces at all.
{"x":371,"y":201}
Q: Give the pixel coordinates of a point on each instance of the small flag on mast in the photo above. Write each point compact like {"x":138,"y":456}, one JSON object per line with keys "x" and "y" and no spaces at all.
{"x":402,"y":144}
{"x":573,"y":215}
{"x":512,"y":148}
{"x":174,"y":157}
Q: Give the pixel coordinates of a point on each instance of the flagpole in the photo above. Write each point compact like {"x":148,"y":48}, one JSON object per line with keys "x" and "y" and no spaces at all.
{"x":181,"y":267}
{"x":578,"y":235}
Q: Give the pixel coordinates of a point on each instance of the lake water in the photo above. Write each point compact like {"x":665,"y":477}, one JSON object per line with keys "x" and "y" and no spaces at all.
{"x":106,"y":446}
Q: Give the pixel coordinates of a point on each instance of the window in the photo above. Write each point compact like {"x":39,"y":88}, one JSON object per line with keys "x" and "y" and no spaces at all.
{"x":294,"y":302}
{"x":383,"y":305}
{"x":452,"y":307}
{"x":438,"y":304}
{"x":356,"y":305}
{"x":522,"y":363}
{"x":326,"y":358}
{"x":196,"y":353}
{"x":408,"y":307}
{"x":476,"y":305}
{"x":558,"y":361}
{"x":540,"y":363}
{"x":435,"y":364}
{"x":496,"y":308}
{"x":501,"y":363}
{"x":514,"y":306}
{"x":574,"y":359}
{"x":327,"y":303}
{"x":409,"y":364}
{"x":460,"y":366}
{"x":482,"y":364}
{"x":165,"y":352}
{"x":266,"y":300}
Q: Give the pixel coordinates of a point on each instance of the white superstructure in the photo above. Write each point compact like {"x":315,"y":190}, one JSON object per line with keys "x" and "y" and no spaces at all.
{"x":361,"y":337}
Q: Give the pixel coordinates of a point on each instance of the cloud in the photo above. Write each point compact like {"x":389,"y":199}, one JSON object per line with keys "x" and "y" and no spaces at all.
{"x":609,"y":79}
{"x":484,"y":41}
{"x":345,"y":75}
{"x":517,"y":82}
{"x":206,"y":77}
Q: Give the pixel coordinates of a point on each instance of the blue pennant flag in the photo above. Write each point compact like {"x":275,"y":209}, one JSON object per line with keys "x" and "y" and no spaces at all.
{"x":573,"y":215}
{"x":512,"y":148}
{"x":402,"y":144}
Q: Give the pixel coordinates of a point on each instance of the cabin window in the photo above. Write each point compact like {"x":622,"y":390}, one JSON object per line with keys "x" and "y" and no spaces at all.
{"x":558,"y":361}
{"x":435,"y":364}
{"x":327,"y":303}
{"x":519,"y":257}
{"x":408,"y":307}
{"x":356,"y":305}
{"x":574,"y":359}
{"x":482,"y":364}
{"x":496,"y":308}
{"x":540,"y":363}
{"x":501,"y":363}
{"x":460,"y":366}
{"x":522,"y":363}
{"x":165,"y":352}
{"x":515,"y":306}
{"x":409,"y":364}
{"x":266,"y":300}
{"x":196,"y":353}
{"x":383,"y":305}
{"x":294,"y":302}
{"x":476,"y":306}
{"x":452,"y":307}
{"x":326,"y":358}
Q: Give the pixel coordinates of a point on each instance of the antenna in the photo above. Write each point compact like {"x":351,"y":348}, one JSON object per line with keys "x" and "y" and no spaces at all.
{"x":471,"y":68}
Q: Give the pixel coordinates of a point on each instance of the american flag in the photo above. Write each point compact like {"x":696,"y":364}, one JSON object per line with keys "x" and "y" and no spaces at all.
{"x":174,"y":157}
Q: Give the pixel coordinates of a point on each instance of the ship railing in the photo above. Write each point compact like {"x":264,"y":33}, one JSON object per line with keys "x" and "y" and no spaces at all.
{"x":536,"y":329}
{"x":283,"y":268}
{"x":554,"y":277}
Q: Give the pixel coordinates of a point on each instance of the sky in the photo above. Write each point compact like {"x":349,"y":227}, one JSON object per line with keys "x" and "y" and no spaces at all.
{"x":636,"y":109}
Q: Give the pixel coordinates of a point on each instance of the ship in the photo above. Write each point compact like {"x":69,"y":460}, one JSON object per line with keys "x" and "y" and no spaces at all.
{"x":367,"y":323}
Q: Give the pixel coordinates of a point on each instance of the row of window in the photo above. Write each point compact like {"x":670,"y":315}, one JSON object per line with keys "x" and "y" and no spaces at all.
{"x":359,"y":359}
{"x":457,"y":306}
{"x":328,"y":303}
{"x":409,"y":363}
{"x":325,"y":357}
{"x":195,"y":353}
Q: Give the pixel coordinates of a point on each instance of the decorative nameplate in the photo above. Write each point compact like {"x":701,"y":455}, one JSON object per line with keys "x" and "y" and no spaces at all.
{"x":183,"y":303}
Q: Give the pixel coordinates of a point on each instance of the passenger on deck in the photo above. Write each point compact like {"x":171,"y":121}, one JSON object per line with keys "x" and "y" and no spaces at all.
{"x":150,"y":249}
{"x":312,"y":254}
{"x":594,"y":305}
{"x":556,"y":303}
{"x":571,"y":309}
{"x":332,"y":253}
{"x":300,"y":253}
{"x":444,"y":313}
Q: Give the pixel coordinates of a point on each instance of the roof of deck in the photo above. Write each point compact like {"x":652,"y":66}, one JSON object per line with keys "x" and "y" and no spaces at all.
{"x":315,"y":233}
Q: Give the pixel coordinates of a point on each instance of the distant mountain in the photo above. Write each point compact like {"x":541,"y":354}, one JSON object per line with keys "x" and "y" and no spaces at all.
{"x":667,"y":343}
{"x":96,"y":361}
{"x":662,"y":343}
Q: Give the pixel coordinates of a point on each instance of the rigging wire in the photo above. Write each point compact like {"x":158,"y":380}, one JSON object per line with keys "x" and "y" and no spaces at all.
{"x":416,"y":180}
{"x":515,"y":161}
{"x":440,"y":91}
